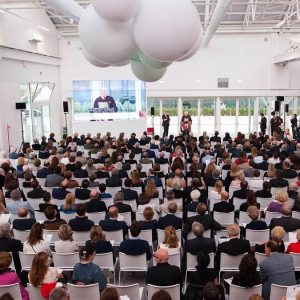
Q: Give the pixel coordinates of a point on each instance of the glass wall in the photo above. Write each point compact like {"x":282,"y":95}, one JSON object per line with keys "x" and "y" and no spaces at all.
{"x":228,"y":116}
{"x":153,"y":121}
{"x":207,"y":115}
{"x":169,"y":105}
{"x":245,"y":113}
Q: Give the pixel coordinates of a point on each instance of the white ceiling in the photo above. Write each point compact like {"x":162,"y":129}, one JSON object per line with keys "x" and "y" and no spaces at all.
{"x":242,"y":15}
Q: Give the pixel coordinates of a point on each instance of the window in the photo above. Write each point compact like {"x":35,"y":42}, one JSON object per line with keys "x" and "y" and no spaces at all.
{"x":207,"y":113}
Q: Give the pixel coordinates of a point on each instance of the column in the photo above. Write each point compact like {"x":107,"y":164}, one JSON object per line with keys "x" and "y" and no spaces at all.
{"x":160,"y":115}
{"x":217,"y":113}
{"x":269,"y":110}
{"x":256,"y":114}
{"x":237,"y":114}
{"x":199,"y":118}
{"x":179,"y":112}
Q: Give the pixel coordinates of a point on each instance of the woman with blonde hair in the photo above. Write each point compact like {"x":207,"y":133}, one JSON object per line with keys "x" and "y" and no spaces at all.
{"x":209,"y":170}
{"x":69,"y":206}
{"x":98,"y":239}
{"x":136,"y":179}
{"x":171,"y":242}
{"x":280,"y":199}
{"x":294,"y":247}
{"x":271,"y":173}
{"x":150,"y":189}
{"x":216,"y":193}
{"x":66,"y":243}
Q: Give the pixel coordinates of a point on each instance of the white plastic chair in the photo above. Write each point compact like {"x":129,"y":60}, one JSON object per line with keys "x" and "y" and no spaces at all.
{"x":79,"y":292}
{"x":238,"y":292}
{"x":173,"y":290}
{"x":81,"y":236}
{"x":116,"y":236}
{"x":275,"y":190}
{"x":127,"y":217}
{"x":113,"y":190}
{"x":264,"y":202}
{"x":106,"y":262}
{"x":145,"y":235}
{"x":232,"y":189}
{"x":35,"y":203}
{"x":138,"y":189}
{"x":65,"y":261}
{"x":237,"y":202}
{"x":271,"y":215}
{"x":224,"y":218}
{"x":21,"y":235}
{"x":132,"y":263}
{"x":229,"y":263}
{"x":132,"y":203}
{"x":244,"y":218}
{"x":96,"y":217}
{"x":40,"y":216}
{"x":279,"y":291}
{"x":133,"y":291}
{"x":26,"y":260}
{"x":54,"y":234}
{"x":191,"y":214}
{"x":296,"y":214}
{"x":12,"y":289}
{"x":257,"y":236}
{"x":108,"y":201}
{"x":260,"y":257}
{"x":296,"y":261}
{"x":34,"y":292}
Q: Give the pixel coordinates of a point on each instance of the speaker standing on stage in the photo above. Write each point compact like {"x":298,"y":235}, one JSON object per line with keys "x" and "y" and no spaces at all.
{"x":263,"y":123}
{"x":105,"y":102}
{"x":294,"y":123}
{"x":165,"y":124}
{"x":186,"y":123}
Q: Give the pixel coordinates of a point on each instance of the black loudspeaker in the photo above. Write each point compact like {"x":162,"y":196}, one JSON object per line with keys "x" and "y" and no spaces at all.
{"x":21,"y":105}
{"x":152,"y":111}
{"x":277,"y":105}
{"x":66,"y":107}
{"x":286,"y":108}
{"x":280,"y":98}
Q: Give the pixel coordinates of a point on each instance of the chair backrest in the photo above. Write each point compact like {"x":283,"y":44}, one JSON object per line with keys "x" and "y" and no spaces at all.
{"x":105,"y":261}
{"x":296,"y":260}
{"x":67,"y":217}
{"x":271,"y":215}
{"x":96,"y":217}
{"x":145,"y":235}
{"x":113,"y":190}
{"x":35,"y":203}
{"x":279,"y":291}
{"x":161,"y":235}
{"x":244,"y":218}
{"x":296,"y":214}
{"x":224,"y":174}
{"x":116,"y":236}
{"x":26,"y":260}
{"x":155,"y":201}
{"x":230,"y":262}
{"x":40,"y":216}
{"x":133,"y":262}
{"x":108,"y":201}
{"x":191,"y":214}
{"x":138,"y":189}
{"x":54,"y":234}
{"x":12,"y":289}
{"x":237,"y":202}
{"x":34,"y":292}
{"x":264,"y":202}
{"x":81,"y":236}
{"x":238,"y":292}
{"x":275,"y":190}
{"x":232,"y":189}
{"x":127,"y":217}
{"x":132,"y":203}
{"x":65,"y":261}
{"x":173,"y":290}
{"x":79,"y":292}
{"x":191,"y":261}
{"x":257,"y":236}
{"x":260,"y":257}
{"x":21,"y":235}
{"x":224,"y":218}
{"x":132,"y":291}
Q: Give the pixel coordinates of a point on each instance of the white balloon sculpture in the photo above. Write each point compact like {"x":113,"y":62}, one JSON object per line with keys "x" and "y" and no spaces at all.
{"x":152,"y":33}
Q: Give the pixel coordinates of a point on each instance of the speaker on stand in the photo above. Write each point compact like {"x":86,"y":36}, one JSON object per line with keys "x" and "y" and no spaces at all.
{"x":21,"y":106}
{"x":66,"y":111}
{"x":152,"y":111}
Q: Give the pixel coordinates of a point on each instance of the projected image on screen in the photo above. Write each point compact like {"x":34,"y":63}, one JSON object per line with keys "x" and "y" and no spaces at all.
{"x":110,"y":98}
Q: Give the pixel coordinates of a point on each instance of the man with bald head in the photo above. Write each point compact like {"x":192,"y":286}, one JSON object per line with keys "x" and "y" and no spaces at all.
{"x":95,"y":205}
{"x":111,"y":223}
{"x":163,"y":274}
{"x":61,"y":192}
{"x":224,"y":205}
{"x":23,"y":223}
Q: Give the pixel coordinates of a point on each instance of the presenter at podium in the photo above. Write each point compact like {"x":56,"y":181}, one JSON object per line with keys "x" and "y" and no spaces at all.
{"x":186,"y":123}
{"x":105,"y":102}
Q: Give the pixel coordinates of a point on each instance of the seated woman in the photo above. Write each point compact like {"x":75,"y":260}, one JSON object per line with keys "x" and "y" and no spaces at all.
{"x":72,"y":183}
{"x":110,"y":294}
{"x":247,"y":276}
{"x":7,"y":276}
{"x":69,"y":207}
{"x":143,"y":202}
{"x":151,"y":189}
{"x":294,"y":247}
{"x":66,"y":243}
{"x":28,"y":179}
{"x":171,"y":242}
{"x":86,"y":272}
{"x":265,"y":192}
{"x":98,"y":240}
{"x":136,"y":179}
{"x":35,"y":242}
{"x":216,"y":192}
{"x":251,"y":201}
{"x":149,"y":222}
{"x":280,"y":199}
{"x":271,"y":171}
{"x":41,"y":275}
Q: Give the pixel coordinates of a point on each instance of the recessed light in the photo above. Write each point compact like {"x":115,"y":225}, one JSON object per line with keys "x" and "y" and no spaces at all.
{"x":240,"y":80}
{"x":199,"y":81}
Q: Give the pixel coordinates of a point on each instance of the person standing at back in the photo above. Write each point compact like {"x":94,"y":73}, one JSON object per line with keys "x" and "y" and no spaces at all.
{"x":165,"y":124}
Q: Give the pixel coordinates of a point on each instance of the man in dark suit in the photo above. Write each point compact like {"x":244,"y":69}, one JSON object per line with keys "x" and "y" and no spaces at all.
{"x":288,"y":223}
{"x":45,"y":171}
{"x":53,"y":222}
{"x":112,"y":224}
{"x":127,"y":192}
{"x":223,"y":205}
{"x":265,"y":192}
{"x":95,"y":205}
{"x":83,"y":193}
{"x":163,"y":274}
{"x":192,"y":206}
{"x":61,"y":192}
{"x":161,"y":159}
{"x":105,"y":102}
{"x":122,"y":207}
{"x":263,"y":165}
{"x":235,"y":246}
{"x":23,"y":224}
{"x":206,"y":220}
{"x":287,"y":172}
{"x":37,"y":192}
{"x":114,"y":180}
{"x":279,"y":181}
{"x":53,"y":180}
{"x":134,"y":245}
{"x":243,"y":192}
{"x":263,"y":123}
{"x":81,"y":221}
{"x":165,"y":124}
{"x":79,"y":172}
{"x":170,"y":219}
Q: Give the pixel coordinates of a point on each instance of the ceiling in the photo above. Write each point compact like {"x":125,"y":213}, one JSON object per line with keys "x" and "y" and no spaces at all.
{"x":242,"y":15}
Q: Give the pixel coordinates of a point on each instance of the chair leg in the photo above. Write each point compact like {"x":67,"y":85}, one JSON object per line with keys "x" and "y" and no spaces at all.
{"x":120,"y":277}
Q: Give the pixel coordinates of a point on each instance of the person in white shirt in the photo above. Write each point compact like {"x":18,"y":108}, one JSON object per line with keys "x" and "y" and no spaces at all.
{"x":256,"y":182}
{"x":216,"y":193}
{"x":171,"y":242}
{"x":66,"y":243}
{"x":170,"y":198}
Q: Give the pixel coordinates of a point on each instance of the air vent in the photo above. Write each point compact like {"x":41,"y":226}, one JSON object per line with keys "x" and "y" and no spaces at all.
{"x":223,"y":83}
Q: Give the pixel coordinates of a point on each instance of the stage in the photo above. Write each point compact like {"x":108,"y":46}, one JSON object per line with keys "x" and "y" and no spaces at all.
{"x":115,"y":126}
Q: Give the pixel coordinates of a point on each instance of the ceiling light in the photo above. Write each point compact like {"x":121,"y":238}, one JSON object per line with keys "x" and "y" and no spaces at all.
{"x":161,"y":81}
{"x":198,"y":81}
{"x":239,"y":80}
{"x":43,"y":28}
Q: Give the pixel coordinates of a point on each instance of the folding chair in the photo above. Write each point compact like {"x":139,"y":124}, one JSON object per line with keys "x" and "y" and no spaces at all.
{"x":279,"y":291}
{"x":133,"y":291}
{"x":132,"y":203}
{"x":271,"y":215}
{"x":34,"y":292}
{"x":96,"y":217}
{"x":257,"y":236}
{"x":127,"y":217}
{"x":224,"y":219}
{"x":244,"y":218}
{"x":35,"y":203}
{"x":237,"y":202}
{"x":65,"y":261}
{"x":173,"y":290}
{"x":132,"y":263}
{"x":116,"y":236}
{"x":106,"y":262}
{"x":21,"y":235}
{"x":26,"y":260}
{"x":296,"y":261}
{"x":238,"y":292}
{"x":229,"y":263}
{"x":145,"y":235}
{"x":264,"y":202}
{"x":79,"y":292}
{"x":81,"y":236}
{"x":12,"y":289}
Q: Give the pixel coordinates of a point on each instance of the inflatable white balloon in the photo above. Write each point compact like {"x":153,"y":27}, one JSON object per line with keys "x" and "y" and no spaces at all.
{"x":108,"y":42}
{"x":92,"y":60}
{"x":152,"y":63}
{"x":193,"y":51}
{"x":117,"y":11}
{"x":146,"y":73}
{"x":122,"y":64}
{"x":167,"y":30}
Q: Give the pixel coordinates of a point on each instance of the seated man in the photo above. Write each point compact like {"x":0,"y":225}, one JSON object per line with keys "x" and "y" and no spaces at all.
{"x":81,"y":221}
{"x":54,"y":180}
{"x":163,"y":274}
{"x":112,"y":223}
{"x":23,"y":223}
{"x":170,"y":198}
{"x":278,"y":181}
{"x":127,"y":192}
{"x":102,"y":194}
{"x":170,"y":219}
{"x":37,"y":192}
{"x":114,"y":180}
{"x":95,"y":205}
{"x":52,"y":222}
{"x":192,"y":206}
{"x":61,"y":192}
{"x":134,"y":245}
{"x":243,"y":192}
{"x":224,"y":205}
{"x":83,"y":193}
{"x":122,"y":207}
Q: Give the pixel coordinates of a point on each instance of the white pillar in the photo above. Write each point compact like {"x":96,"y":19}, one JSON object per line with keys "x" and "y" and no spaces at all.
{"x":199,"y":117}
{"x":256,"y":114}
{"x":269,"y":110}
{"x":160,"y":115}
{"x":179,"y":112}
{"x":217,"y":113}
{"x":237,"y":114}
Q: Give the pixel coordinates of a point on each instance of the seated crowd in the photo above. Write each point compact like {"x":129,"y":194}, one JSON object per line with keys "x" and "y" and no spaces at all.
{"x":199,"y":200}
